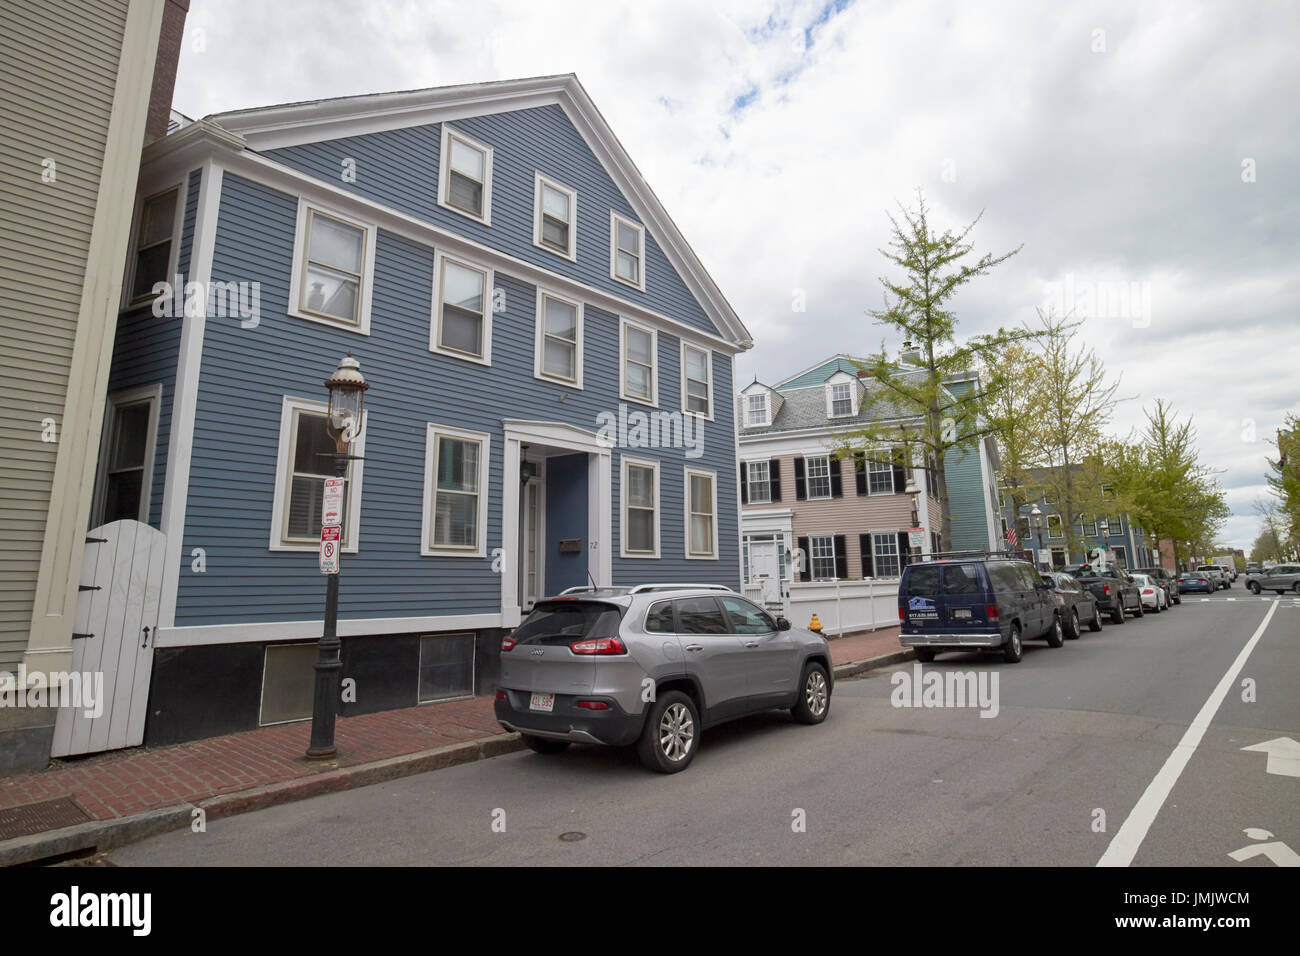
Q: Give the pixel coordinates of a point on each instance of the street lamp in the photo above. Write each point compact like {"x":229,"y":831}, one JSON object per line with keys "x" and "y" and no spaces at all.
{"x":1036,"y":520}
{"x":1104,"y":527}
{"x":343,"y":422}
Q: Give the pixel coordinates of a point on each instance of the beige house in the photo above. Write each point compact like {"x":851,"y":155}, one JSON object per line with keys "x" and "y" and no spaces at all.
{"x":86,"y":86}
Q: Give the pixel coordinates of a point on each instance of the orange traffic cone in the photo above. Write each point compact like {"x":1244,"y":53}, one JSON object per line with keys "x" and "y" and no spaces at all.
{"x":815,"y":625}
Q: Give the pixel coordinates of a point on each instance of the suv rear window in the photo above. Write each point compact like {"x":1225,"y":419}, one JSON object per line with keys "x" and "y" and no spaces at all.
{"x":922,"y":581}
{"x":563,"y":622}
{"x":961,"y":579}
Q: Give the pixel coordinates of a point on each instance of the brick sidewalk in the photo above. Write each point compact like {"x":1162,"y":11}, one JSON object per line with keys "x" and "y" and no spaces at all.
{"x":121,"y":783}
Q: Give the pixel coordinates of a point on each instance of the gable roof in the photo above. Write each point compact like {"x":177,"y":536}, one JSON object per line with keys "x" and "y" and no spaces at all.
{"x":291,"y":124}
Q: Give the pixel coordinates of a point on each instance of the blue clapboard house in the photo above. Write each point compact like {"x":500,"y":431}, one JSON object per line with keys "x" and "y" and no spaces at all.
{"x":550,"y":401}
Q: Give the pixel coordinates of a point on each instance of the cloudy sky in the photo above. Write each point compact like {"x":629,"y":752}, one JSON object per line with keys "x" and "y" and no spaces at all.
{"x":1147,"y":156}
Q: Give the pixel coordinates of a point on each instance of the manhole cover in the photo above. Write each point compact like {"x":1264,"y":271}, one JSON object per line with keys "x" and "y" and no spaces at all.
{"x":39,"y":817}
{"x":573,"y":836}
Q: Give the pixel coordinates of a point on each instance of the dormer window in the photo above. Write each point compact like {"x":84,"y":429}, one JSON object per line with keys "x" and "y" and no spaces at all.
{"x":756,"y":413}
{"x":841,"y":399}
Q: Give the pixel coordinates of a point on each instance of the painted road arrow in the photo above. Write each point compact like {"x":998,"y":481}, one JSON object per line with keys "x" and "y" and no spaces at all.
{"x":1283,"y":755}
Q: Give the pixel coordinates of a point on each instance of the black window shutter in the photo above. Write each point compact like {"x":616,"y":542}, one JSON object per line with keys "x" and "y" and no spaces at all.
{"x":800,"y":483}
{"x":900,"y":479}
{"x":904,"y":550}
{"x":774,"y":479}
{"x":864,"y":548}
{"x":860,"y":471}
{"x":837,"y":481}
{"x":744,"y":483}
{"x":805,"y":572}
{"x":841,"y":558}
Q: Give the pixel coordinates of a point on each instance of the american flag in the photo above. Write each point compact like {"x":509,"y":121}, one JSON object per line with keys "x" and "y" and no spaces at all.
{"x":1012,"y":538}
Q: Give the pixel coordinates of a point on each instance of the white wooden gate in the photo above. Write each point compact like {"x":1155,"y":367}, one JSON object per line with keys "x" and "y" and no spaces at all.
{"x":117,"y":617}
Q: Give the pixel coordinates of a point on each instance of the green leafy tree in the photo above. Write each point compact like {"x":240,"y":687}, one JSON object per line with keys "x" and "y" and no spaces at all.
{"x":1284,"y":480}
{"x":933,"y":266}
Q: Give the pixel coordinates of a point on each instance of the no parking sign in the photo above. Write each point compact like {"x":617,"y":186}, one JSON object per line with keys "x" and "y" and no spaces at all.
{"x":329,"y":550}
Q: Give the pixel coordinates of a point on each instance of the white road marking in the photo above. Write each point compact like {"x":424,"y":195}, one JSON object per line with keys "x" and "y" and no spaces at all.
{"x":1124,"y":846}
{"x":1283,"y":756}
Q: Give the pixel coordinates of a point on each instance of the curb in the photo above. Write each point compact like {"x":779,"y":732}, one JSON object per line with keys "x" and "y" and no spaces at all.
{"x":854,"y":668}
{"x":99,"y":835}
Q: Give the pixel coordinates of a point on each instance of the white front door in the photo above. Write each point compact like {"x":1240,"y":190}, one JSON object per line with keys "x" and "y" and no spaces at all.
{"x":531,"y":565}
{"x":765,"y":569}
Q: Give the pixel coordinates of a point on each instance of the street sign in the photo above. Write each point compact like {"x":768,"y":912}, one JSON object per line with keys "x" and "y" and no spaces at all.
{"x":1044,"y":556}
{"x":332,"y":508}
{"x":329,"y":550}
{"x":916,"y":537}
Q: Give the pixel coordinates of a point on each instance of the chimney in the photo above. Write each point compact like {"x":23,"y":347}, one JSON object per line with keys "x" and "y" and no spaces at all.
{"x":164,"y":69}
{"x":909,"y":354}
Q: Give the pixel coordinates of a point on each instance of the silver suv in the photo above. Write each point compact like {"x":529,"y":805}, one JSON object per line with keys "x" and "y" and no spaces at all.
{"x":654,"y":665}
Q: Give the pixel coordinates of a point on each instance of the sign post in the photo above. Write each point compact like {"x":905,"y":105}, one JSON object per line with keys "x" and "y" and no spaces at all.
{"x":329,"y":550}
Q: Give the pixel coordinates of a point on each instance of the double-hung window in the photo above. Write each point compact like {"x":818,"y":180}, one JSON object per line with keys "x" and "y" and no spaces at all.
{"x":1054,"y":527}
{"x":455,"y":492}
{"x":334,"y":260}
{"x":555,"y":217}
{"x":152,"y":260}
{"x":756,"y":410}
{"x":758,"y":477}
{"x":697,"y":387}
{"x":701,"y":514}
{"x":1090,"y":525}
{"x":559,"y":339}
{"x":841,"y":399}
{"x":127,"y":456}
{"x":305,"y":462}
{"x":626,"y":251}
{"x":884,"y":548}
{"x":819,"y":476}
{"x":640,"y":486}
{"x":465,"y":180}
{"x":640,"y":351}
{"x":462,"y":301}
{"x":880,"y":475}
{"x":822,"y":556}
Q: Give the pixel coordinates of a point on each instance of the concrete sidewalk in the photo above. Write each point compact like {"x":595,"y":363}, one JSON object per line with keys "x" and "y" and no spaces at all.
{"x":127,"y":795}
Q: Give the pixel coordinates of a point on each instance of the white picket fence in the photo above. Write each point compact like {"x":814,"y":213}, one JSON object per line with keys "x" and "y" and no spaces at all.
{"x":841,"y":606}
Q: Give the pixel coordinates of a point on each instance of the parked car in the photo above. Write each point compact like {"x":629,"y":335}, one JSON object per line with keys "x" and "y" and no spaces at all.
{"x":1216,"y":576}
{"x":1074,"y":603}
{"x":654,"y":666}
{"x":1153,"y":595}
{"x":1282,"y":578}
{"x":976,"y":603}
{"x":1115,"y":591}
{"x":1195,"y":581}
{"x":1167,"y":580}
{"x":1253,"y":567}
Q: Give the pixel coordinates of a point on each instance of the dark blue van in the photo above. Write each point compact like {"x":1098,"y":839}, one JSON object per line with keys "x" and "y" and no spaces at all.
{"x":982,"y":601}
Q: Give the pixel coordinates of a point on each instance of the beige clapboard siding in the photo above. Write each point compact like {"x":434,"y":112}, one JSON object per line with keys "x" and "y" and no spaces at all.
{"x":58,"y":67}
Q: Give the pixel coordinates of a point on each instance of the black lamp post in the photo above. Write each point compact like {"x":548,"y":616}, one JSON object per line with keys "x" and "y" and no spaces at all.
{"x":343,"y":421}
{"x":1036,"y":519}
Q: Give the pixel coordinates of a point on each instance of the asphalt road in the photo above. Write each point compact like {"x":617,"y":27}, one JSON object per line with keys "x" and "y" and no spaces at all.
{"x":1115,"y":742}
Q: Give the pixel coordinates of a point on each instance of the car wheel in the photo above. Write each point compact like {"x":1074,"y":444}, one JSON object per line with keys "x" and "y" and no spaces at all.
{"x":924,"y":655}
{"x":1095,"y":624}
{"x":814,"y":696}
{"x":671,"y":735}
{"x":1073,"y":631}
{"x":1012,"y":650}
{"x":1295,"y":587}
{"x":1056,"y":636}
{"x":1253,"y":587}
{"x":1156,"y":607}
{"x":545,"y":745}
{"x":1117,"y":615}
{"x":1139,"y":610}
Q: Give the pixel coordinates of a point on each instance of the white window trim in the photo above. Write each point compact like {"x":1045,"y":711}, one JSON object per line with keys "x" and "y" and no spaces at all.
{"x":153,"y":395}
{"x":540,"y":334}
{"x":879,"y":494}
{"x":444,"y":174}
{"x":283,"y":462}
{"x":708,"y":358}
{"x":830,"y":401}
{"x":875,"y":558}
{"x":432,"y":432}
{"x":767,"y":500}
{"x":299,"y":264}
{"x":1047,"y":526}
{"x":625,"y":462}
{"x":767,"y":410}
{"x":539,"y":181}
{"x":808,"y":477}
{"x":614,"y":220}
{"x":623,"y":325}
{"x":435,"y":321}
{"x":686,"y":511}
{"x":811,"y":558}
{"x":173,"y":259}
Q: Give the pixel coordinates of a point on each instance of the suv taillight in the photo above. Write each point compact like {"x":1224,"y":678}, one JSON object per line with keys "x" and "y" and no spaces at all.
{"x":991,"y":612}
{"x":1105,"y":589}
{"x":599,"y":645}
{"x":507,"y":643}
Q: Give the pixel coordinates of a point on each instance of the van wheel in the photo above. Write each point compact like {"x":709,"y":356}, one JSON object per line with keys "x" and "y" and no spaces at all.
{"x":1117,"y":615}
{"x":1073,"y":631}
{"x":671,"y":735}
{"x":1056,"y":636}
{"x":545,"y":745}
{"x":924,"y":655}
{"x":1012,"y":650}
{"x":1095,"y":624}
{"x":814,"y":695}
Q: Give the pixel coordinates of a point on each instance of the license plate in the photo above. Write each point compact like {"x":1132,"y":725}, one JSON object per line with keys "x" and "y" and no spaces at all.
{"x":543,"y":702}
{"x":961,"y":612}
